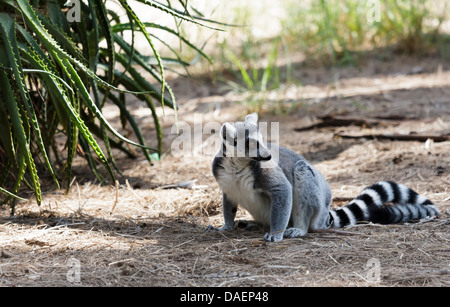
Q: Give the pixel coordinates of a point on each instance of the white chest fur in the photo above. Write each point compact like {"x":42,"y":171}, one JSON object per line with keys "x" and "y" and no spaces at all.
{"x":237,"y":181}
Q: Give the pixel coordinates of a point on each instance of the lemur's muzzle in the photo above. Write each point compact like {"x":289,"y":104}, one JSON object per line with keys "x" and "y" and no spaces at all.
{"x":259,"y":158}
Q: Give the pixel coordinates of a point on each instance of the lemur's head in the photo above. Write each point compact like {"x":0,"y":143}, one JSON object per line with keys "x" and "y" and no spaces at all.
{"x":243,"y":140}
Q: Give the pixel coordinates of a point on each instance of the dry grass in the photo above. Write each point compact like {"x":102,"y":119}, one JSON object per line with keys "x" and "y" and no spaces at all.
{"x":176,"y":251}
{"x":139,"y":233}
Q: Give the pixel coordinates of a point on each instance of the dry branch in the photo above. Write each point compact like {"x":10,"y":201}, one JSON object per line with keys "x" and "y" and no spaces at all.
{"x":340,"y":121}
{"x":397,"y":137}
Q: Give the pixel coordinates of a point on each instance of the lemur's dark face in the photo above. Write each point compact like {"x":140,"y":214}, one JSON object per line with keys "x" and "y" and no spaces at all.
{"x":243,"y":140}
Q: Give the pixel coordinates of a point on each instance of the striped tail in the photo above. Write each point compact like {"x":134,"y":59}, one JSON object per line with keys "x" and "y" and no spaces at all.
{"x":371,"y":206}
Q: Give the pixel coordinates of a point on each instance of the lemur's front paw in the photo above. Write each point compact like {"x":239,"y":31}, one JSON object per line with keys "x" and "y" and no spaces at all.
{"x":273,"y":236}
{"x":294,"y":233}
{"x":223,"y":228}
{"x":211,"y":228}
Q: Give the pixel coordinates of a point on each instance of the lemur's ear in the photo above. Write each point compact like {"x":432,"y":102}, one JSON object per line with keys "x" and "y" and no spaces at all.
{"x":228,"y":132}
{"x":252,"y":119}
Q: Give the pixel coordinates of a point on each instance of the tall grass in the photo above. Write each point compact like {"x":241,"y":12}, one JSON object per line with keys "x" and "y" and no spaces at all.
{"x":56,"y":76}
{"x":247,"y":63}
{"x":335,"y":31}
{"x":332,"y":32}
{"x":325,"y":32}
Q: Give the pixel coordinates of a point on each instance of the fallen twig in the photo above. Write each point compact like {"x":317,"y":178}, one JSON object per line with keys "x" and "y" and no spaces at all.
{"x":340,"y":121}
{"x":117,"y":197}
{"x":397,"y":137}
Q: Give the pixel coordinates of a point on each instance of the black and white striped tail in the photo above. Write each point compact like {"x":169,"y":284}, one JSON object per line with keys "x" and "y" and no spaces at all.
{"x":371,"y":206}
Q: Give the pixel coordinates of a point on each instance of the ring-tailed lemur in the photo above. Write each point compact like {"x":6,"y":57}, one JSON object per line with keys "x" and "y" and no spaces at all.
{"x":289,"y":191}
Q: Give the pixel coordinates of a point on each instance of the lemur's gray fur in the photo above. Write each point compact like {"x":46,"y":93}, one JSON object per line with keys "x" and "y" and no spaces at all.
{"x":290,"y":192}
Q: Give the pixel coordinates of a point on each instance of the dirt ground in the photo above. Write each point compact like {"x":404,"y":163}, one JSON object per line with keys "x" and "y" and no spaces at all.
{"x":142,"y":234}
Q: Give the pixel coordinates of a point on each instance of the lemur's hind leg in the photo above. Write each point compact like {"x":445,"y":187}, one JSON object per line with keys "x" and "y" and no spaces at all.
{"x":310,"y":195}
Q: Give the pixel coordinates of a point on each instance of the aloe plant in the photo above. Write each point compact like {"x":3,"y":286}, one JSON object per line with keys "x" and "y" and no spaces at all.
{"x":50,"y":83}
